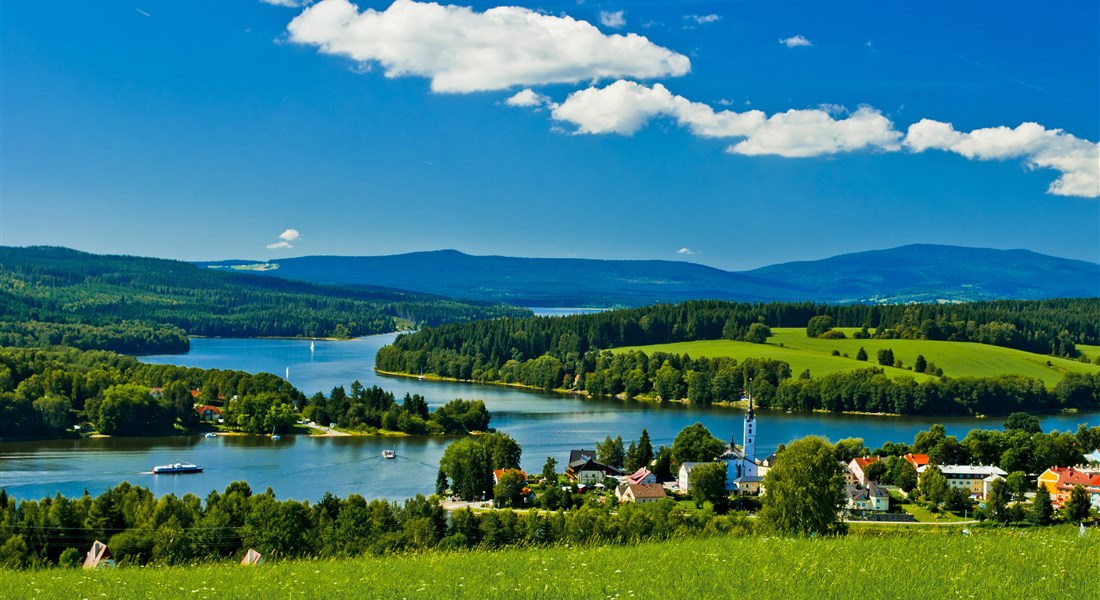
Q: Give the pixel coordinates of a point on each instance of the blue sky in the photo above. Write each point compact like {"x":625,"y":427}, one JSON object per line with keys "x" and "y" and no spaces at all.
{"x":734,"y":134}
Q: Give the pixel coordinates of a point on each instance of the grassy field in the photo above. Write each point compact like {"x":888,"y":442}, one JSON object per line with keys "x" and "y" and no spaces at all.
{"x":957,"y":359}
{"x":1093,"y":352}
{"x":993,"y":563}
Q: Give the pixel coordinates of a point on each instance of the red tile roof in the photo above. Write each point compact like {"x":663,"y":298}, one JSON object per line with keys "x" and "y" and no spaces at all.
{"x":203,"y":408}
{"x":917,"y":460}
{"x":1069,"y":477}
{"x":498,"y":472}
{"x":863,"y":461}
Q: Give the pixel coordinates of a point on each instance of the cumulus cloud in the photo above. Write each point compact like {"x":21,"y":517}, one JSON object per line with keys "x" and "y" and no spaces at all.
{"x":1077,"y":160}
{"x":285,"y":238}
{"x":528,"y":98}
{"x":612,"y":18}
{"x":795,"y":41}
{"x":702,"y":19}
{"x":625,"y":106}
{"x":462,"y":51}
{"x":685,"y":251}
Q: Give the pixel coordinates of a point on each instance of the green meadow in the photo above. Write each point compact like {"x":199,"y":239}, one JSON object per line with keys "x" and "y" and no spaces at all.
{"x":957,"y":359}
{"x":877,"y":563}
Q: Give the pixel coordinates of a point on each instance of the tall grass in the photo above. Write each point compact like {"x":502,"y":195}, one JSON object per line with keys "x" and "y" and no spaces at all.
{"x":990,"y":563}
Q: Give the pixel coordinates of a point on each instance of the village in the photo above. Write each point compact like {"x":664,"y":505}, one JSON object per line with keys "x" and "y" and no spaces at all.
{"x":910,"y":488}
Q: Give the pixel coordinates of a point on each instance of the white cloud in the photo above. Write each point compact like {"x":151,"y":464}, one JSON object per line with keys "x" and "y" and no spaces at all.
{"x":290,"y":235}
{"x":1077,"y":160}
{"x":279,"y":245}
{"x":624,"y":107}
{"x":461,"y":50}
{"x":286,"y":3}
{"x":685,"y":251}
{"x":702,"y":19}
{"x":528,"y":98}
{"x":795,"y":41}
{"x":612,"y":18}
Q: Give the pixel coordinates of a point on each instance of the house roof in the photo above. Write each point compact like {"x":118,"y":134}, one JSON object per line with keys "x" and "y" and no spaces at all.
{"x":974,"y":470}
{"x":205,"y":407}
{"x":1069,"y":477}
{"x":749,"y":479}
{"x":856,"y":492}
{"x":575,"y":455}
{"x":917,"y":460}
{"x":863,"y":461}
{"x":590,"y":464}
{"x":768,"y":461}
{"x":647,"y":490}
{"x":639,"y":475}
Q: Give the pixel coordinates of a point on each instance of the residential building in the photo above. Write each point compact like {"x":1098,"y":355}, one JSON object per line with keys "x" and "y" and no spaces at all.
{"x":642,"y":475}
{"x":869,"y":497}
{"x":683,"y":477}
{"x":857,"y":467}
{"x":1060,"y":481}
{"x":641,"y":493}
{"x":969,"y":478}
{"x":917,"y":460}
{"x":208,"y":412}
{"x":588,"y":471}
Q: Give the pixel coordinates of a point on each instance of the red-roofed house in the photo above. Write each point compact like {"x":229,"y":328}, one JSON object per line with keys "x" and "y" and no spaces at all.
{"x":208,"y":412}
{"x":1060,"y":482}
{"x":917,"y":460}
{"x":857,"y":467}
{"x":642,"y":475}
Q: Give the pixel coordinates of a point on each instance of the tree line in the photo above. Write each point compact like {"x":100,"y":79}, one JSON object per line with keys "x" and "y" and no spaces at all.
{"x":44,"y":392}
{"x":128,"y":337}
{"x":141,"y":529}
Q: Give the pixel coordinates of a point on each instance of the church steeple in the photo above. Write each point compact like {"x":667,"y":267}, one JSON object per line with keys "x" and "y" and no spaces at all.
{"x":750,"y":432}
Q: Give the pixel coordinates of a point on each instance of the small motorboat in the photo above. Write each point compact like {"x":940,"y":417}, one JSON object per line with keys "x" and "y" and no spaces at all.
{"x":389,"y":454}
{"x":210,"y":435}
{"x":176,"y":468}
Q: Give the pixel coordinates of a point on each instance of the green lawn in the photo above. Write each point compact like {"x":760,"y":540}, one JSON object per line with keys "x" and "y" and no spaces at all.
{"x":989,"y":563}
{"x":923,"y":515}
{"x":957,"y":359}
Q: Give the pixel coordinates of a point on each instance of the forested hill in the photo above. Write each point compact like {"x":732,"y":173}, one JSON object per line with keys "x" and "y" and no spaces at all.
{"x":917,"y":273}
{"x":52,"y":295}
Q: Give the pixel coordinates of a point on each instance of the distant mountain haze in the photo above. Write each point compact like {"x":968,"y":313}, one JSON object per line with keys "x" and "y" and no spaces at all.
{"x":914,"y":273}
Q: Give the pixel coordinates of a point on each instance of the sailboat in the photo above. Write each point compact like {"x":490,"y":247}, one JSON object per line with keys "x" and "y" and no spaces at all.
{"x":311,"y":346}
{"x":287,"y":374}
{"x":274,"y":435}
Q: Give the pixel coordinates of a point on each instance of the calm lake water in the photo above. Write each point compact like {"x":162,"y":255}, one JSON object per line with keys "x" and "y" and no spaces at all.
{"x":303,"y":467}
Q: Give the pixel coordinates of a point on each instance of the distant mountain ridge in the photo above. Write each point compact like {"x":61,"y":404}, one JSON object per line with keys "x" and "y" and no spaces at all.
{"x":914,"y":273}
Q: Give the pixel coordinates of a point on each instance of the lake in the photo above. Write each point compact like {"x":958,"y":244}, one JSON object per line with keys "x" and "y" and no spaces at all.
{"x":303,"y":467}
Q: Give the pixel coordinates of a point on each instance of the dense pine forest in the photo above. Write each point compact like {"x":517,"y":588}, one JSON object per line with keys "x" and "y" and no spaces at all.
{"x":57,"y":296}
{"x":570,"y":353}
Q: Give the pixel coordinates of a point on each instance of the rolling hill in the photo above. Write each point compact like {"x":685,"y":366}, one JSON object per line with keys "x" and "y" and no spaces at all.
{"x":63,"y":286}
{"x":957,"y":359}
{"x":916,"y":273}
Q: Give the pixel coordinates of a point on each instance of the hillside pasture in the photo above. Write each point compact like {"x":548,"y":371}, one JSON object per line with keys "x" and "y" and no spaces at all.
{"x":957,"y":359}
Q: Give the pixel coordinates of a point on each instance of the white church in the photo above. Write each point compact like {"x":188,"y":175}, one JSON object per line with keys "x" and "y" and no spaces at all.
{"x":742,"y":471}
